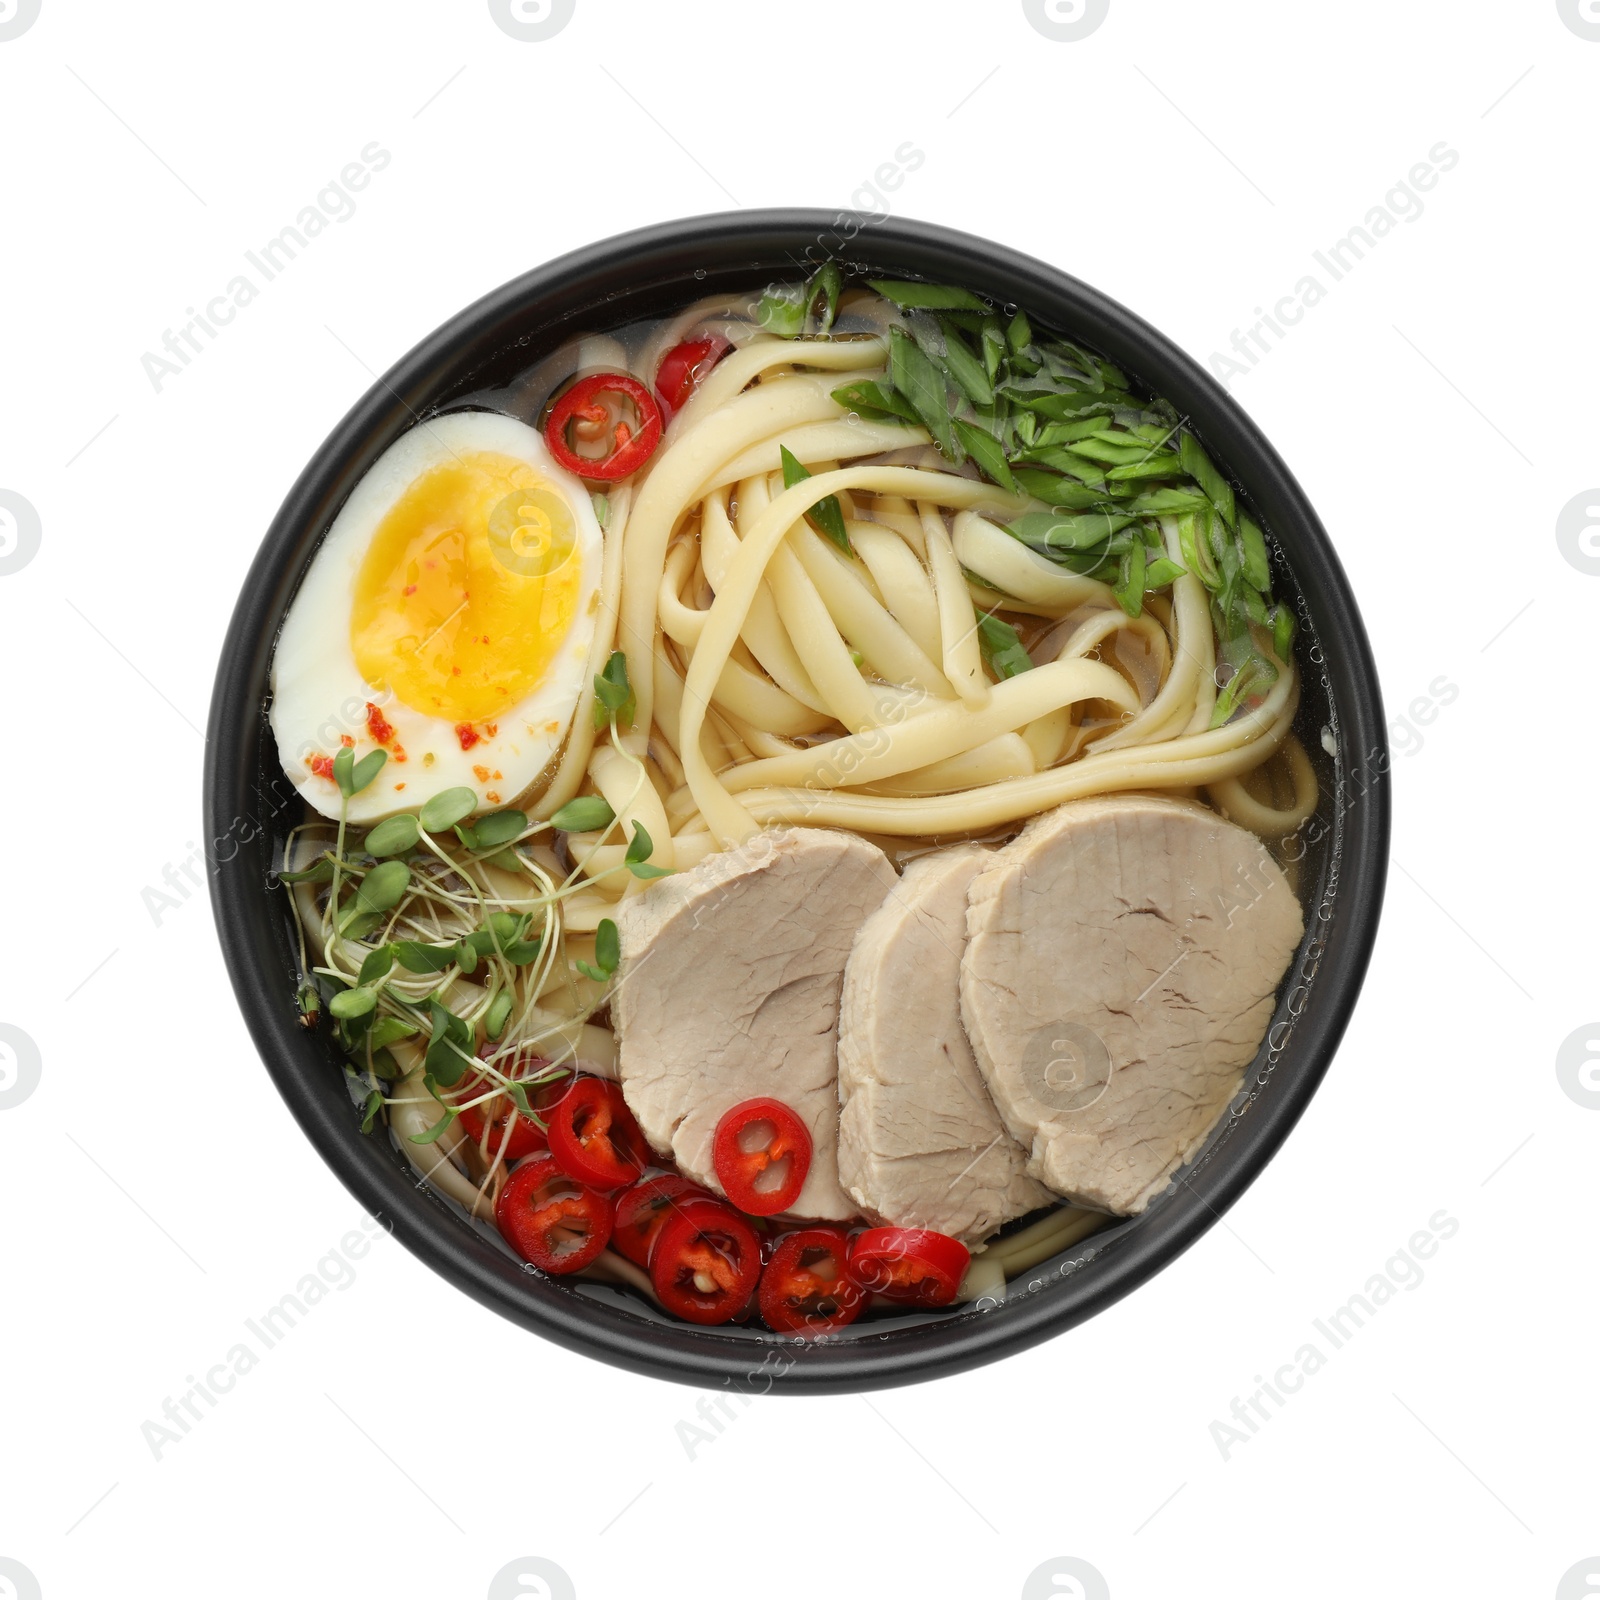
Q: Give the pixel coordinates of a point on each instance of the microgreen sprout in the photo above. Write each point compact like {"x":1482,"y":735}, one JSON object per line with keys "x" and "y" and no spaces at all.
{"x":353,"y":776}
{"x":583,"y":815}
{"x":447,"y":808}
{"x":394,"y":836}
{"x":613,"y":694}
{"x":637,"y":857}
{"x":444,"y":980}
{"x":607,"y":953}
{"x":433,"y":1133}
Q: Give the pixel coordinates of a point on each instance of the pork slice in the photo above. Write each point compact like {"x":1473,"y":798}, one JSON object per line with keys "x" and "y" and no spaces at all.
{"x":1122,"y":960}
{"x":728,"y":989}
{"x":920,"y":1142}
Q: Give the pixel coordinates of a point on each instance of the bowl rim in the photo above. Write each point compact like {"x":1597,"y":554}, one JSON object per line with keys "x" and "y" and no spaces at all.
{"x":249,"y":924}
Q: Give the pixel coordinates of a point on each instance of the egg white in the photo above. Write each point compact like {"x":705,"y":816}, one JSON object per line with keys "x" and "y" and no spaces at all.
{"x":319,"y":696}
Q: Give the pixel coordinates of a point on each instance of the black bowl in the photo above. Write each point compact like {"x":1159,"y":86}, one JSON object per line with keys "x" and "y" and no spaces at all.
{"x":249,"y":804}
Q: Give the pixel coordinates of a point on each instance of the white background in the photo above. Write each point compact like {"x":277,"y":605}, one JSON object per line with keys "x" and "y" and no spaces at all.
{"x":1187,"y":158}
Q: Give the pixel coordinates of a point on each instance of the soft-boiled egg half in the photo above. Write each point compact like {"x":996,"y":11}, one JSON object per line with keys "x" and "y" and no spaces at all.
{"x":447,"y":618}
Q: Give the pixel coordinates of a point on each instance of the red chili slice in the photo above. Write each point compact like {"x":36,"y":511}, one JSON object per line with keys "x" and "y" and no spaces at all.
{"x":762,"y":1153}
{"x":685,"y":366}
{"x":645,"y":1209}
{"x":597,"y":402}
{"x":912,"y":1264}
{"x":593,"y":1135}
{"x":551,"y":1219}
{"x":806,"y":1287}
{"x":526,"y":1135}
{"x":706,"y":1263}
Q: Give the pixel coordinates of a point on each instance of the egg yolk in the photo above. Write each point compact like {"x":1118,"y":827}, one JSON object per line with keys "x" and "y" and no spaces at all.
{"x":468,"y":588}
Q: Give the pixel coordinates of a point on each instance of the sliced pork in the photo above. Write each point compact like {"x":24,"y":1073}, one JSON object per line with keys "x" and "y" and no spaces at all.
{"x":1123,"y":956}
{"x":728,"y":989}
{"x":920,"y":1142}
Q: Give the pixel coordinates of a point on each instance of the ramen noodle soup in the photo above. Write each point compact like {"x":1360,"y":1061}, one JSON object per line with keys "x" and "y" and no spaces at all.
{"x":811,"y":845}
